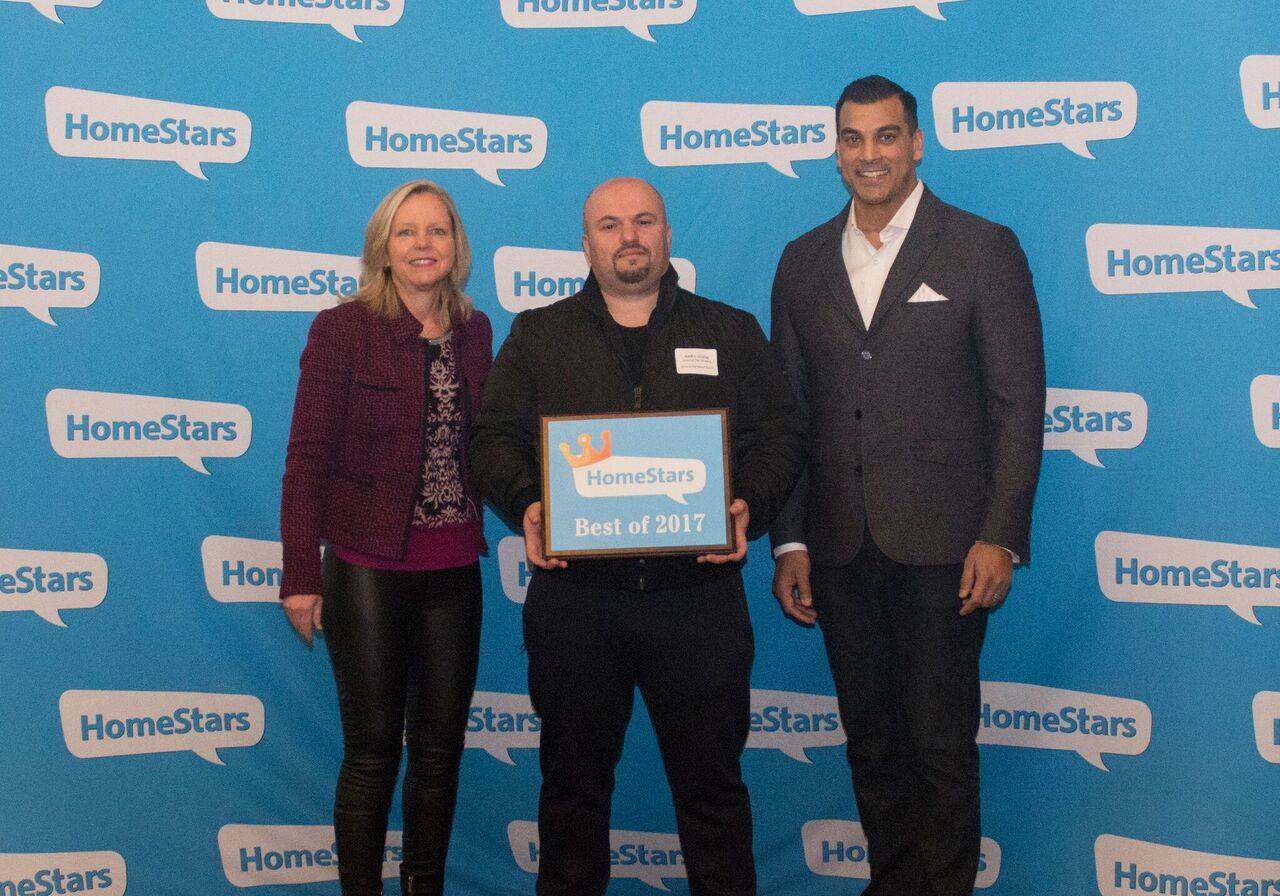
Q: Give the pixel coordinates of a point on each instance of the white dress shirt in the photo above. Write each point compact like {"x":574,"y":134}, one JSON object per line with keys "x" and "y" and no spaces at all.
{"x":868,"y":268}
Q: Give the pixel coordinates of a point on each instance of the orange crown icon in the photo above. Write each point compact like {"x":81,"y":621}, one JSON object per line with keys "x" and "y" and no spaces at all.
{"x":589,"y":455}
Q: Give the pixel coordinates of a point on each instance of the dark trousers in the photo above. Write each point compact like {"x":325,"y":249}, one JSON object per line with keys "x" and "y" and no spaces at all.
{"x":689,"y":650}
{"x":905,"y":664}
{"x":404,"y":647}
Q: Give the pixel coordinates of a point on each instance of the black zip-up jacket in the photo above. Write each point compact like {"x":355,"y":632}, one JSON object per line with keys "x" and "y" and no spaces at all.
{"x":568,"y":358}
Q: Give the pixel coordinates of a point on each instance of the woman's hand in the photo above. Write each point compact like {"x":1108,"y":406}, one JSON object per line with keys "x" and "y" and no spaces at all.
{"x":303,"y":611}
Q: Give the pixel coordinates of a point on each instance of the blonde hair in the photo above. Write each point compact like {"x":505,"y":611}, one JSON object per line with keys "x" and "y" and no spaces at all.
{"x":377,"y":290}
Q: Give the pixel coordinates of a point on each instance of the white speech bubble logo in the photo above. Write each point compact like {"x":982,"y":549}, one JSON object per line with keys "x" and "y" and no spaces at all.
{"x":343,"y":19}
{"x":1083,"y":421}
{"x":48,"y":582}
{"x":1135,"y":259}
{"x":255,"y":278}
{"x":41,"y":279}
{"x":564,"y":14}
{"x":527,"y":278}
{"x":260,"y":855}
{"x":792,"y":723}
{"x":1260,"y":88}
{"x":990,"y":114}
{"x":618,"y":477}
{"x":640,"y":855}
{"x":1043,"y":718}
{"x":836,"y":847}
{"x":242,"y":570}
{"x":1156,"y":569}
{"x":1264,"y":397}
{"x":92,"y":125}
{"x":931,"y":8}
{"x":110,"y":424}
{"x":1266,"y":724}
{"x":499,"y":723}
{"x":1126,"y":866}
{"x":513,"y":566}
{"x":130,"y":723}
{"x":680,"y":134}
{"x":49,"y":8}
{"x":380,"y":135}
{"x":31,"y":873}
{"x":525,"y":844}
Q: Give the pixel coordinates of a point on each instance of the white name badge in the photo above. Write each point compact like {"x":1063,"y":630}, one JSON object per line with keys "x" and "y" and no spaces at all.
{"x":697,"y":360}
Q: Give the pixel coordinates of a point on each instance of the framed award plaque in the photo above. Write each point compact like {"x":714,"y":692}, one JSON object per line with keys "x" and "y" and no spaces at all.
{"x":636,"y":484}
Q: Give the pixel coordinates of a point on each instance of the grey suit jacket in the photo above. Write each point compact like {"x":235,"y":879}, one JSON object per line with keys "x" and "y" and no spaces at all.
{"x":927,"y":427}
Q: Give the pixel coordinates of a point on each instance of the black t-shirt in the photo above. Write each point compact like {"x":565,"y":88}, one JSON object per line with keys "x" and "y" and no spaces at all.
{"x":634,"y":340}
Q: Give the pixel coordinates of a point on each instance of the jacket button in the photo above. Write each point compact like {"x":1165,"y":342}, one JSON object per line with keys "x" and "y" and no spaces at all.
{"x":866,"y":354}
{"x":857,"y":414}
{"x":858,"y":470}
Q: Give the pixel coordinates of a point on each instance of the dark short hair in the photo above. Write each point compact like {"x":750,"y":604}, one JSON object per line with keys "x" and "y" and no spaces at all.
{"x":874,"y":88}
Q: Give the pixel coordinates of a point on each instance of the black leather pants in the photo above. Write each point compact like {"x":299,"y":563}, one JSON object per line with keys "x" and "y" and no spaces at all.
{"x":404,"y":647}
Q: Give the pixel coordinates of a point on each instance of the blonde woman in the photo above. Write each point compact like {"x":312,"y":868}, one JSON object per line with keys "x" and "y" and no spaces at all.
{"x":377,"y":468}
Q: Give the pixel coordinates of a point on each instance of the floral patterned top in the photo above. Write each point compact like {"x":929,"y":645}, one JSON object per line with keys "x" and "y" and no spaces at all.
{"x":442,"y":500}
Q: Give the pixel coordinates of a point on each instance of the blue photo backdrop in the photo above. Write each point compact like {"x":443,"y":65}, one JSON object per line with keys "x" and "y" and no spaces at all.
{"x":187,"y":183}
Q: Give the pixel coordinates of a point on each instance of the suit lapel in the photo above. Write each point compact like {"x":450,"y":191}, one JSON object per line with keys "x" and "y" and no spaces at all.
{"x":921,"y":240}
{"x":836,"y":274}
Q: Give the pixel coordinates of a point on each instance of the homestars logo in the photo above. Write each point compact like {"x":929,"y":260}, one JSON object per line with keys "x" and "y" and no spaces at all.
{"x":532,"y":278}
{"x":499,"y":723}
{"x":128,"y":723}
{"x":1156,"y":569}
{"x":254,"y":278}
{"x":985,"y":115}
{"x":834,"y":847}
{"x":242,"y":570}
{"x":599,"y":473}
{"x":636,"y":16}
{"x":792,"y":723}
{"x":91,"y":124}
{"x":1044,"y":718}
{"x":386,"y":136}
{"x":258,"y":855}
{"x":1125,"y":867}
{"x":641,"y":855}
{"x":48,"y":582}
{"x":1134,"y":259}
{"x":108,"y":424}
{"x":40,"y":280}
{"x":59,"y":873}
{"x":341,"y":15}
{"x":1083,"y":421}
{"x":681,"y":134}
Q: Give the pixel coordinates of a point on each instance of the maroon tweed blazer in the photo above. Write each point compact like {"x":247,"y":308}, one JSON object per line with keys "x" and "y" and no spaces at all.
{"x":355,"y":445}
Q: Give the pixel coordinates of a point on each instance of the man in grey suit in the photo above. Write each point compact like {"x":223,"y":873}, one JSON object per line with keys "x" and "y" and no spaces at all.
{"x":911,"y":335}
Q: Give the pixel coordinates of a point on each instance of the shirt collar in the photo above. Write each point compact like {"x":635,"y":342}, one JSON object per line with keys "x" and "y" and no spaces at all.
{"x":902,"y":218}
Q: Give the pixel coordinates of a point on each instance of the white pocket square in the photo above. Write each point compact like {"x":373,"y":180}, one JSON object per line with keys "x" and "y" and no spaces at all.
{"x":927,"y":294}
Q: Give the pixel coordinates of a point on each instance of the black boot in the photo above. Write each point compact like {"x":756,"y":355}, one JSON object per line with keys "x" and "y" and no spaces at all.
{"x":417,"y":885}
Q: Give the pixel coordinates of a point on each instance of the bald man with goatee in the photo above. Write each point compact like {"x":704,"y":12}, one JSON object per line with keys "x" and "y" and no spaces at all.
{"x":676,"y":627}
